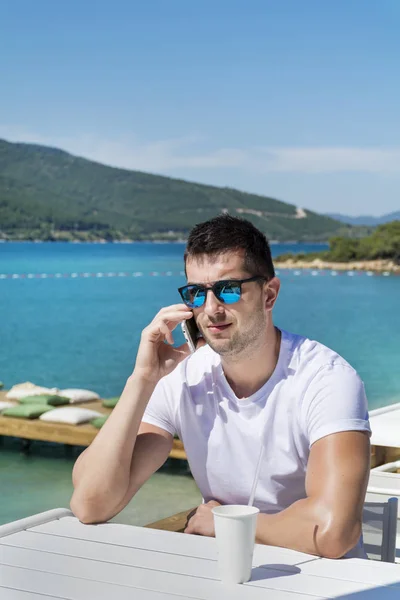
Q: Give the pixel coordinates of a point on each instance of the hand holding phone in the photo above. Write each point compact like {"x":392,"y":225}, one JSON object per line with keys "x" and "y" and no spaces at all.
{"x":191,"y":333}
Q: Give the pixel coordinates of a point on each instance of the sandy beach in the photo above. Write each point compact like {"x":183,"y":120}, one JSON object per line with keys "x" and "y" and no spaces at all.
{"x":379,"y":266}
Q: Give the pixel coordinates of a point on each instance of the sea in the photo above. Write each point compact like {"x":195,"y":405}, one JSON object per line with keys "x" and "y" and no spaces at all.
{"x":72,"y":315}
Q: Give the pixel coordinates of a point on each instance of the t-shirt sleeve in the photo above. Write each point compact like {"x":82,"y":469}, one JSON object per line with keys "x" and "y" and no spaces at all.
{"x":159,"y":410}
{"x":335,"y":401}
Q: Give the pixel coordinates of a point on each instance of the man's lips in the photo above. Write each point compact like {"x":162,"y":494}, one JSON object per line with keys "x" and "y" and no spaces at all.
{"x":217,"y":327}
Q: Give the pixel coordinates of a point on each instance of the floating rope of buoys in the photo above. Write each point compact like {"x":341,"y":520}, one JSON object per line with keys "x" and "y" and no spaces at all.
{"x":92,"y":275}
{"x":99,"y":275}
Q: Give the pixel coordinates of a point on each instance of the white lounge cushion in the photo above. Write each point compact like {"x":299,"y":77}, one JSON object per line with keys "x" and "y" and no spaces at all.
{"x":385,"y":428}
{"x":22,"y":390}
{"x":70,"y":414}
{"x":4,"y":405}
{"x":78,"y":395}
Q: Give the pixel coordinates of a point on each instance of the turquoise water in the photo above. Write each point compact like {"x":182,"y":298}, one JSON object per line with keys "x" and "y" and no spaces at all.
{"x":39,"y":481}
{"x":84,"y":331}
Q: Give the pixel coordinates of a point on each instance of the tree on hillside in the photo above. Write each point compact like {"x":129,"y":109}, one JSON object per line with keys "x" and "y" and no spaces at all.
{"x":383,"y":243}
{"x":342,"y":249}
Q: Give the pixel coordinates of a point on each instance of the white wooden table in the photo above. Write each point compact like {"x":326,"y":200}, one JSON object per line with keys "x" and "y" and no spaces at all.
{"x":52,"y":555}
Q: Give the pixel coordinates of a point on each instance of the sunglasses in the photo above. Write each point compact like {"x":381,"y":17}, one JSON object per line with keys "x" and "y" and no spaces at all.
{"x":227,"y":291}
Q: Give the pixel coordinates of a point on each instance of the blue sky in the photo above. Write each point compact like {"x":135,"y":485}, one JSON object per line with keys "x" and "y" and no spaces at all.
{"x":294,"y":99}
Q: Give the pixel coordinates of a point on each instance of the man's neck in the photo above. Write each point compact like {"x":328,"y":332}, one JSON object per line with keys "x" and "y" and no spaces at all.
{"x":248,"y":373}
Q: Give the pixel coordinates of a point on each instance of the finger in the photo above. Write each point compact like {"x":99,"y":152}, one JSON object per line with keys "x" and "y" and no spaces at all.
{"x":191,"y":514}
{"x":189,"y":528}
{"x":173,"y":319}
{"x":167,"y":333}
{"x":181,"y":353}
{"x":212,"y":503}
{"x":173,"y":307}
{"x":184,"y":348}
{"x":174,"y":315}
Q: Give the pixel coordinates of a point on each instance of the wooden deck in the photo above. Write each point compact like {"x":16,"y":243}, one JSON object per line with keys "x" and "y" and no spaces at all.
{"x":175,"y":523}
{"x":83,"y":435}
{"x":73,"y":435}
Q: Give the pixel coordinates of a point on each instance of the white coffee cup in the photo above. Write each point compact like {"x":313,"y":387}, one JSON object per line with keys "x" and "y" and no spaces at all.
{"x":235,"y":532}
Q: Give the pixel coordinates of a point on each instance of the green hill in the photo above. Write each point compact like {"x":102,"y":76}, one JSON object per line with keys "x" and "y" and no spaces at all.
{"x":47,"y":193}
{"x":382,"y":244}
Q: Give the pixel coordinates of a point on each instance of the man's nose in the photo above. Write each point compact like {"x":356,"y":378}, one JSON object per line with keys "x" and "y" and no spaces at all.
{"x":212,"y":305}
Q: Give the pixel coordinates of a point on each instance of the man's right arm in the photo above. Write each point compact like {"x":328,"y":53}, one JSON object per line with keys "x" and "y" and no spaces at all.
{"x":126,"y":452}
{"x":120,"y":459}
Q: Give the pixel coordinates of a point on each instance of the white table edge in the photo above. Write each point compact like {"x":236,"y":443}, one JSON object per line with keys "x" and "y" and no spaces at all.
{"x":38,"y":519}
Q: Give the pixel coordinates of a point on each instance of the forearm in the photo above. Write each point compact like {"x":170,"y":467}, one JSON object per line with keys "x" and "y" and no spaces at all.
{"x":101,"y":475}
{"x":307,"y":526}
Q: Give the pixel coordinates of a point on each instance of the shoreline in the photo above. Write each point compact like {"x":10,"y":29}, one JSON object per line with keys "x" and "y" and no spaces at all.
{"x":99,"y":241}
{"x":151,"y":241}
{"x":378,"y":266}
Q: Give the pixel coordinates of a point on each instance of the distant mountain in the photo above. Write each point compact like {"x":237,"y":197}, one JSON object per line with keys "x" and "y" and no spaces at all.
{"x":49,"y":194}
{"x":369,"y":221}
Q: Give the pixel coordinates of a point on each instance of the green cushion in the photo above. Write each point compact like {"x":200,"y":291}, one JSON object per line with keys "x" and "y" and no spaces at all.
{"x":111,"y":402}
{"x":26,"y":411}
{"x":51,"y":400}
{"x":98,"y":422}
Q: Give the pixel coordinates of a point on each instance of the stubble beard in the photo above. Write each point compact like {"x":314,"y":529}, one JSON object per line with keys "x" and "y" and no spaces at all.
{"x":242,"y":342}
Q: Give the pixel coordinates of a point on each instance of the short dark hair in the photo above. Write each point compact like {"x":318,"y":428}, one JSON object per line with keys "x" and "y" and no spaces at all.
{"x":225,"y":233}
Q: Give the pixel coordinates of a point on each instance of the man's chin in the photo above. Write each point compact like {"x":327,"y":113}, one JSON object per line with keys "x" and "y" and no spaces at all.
{"x":220,"y":346}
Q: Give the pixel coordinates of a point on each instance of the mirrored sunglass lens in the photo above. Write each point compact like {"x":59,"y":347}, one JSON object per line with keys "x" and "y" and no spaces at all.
{"x":186,"y":295}
{"x":199,"y":296}
{"x":229,"y":293}
{"x":193,"y":296}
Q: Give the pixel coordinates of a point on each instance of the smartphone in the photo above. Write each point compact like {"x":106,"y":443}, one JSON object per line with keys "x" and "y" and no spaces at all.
{"x":191,"y":333}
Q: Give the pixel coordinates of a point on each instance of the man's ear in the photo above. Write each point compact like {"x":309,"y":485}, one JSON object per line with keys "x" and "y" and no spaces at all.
{"x":271,"y":291}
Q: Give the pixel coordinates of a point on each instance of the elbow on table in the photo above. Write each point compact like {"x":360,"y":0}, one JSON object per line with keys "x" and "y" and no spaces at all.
{"x":88,"y":512}
{"x":336,"y":541}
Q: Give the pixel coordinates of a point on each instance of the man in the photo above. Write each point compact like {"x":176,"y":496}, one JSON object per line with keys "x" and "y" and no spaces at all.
{"x":249,"y":385}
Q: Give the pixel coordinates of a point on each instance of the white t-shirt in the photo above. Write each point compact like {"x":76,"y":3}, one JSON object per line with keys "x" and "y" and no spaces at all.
{"x":312,"y":392}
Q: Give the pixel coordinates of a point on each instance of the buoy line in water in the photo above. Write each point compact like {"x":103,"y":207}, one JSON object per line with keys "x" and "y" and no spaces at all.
{"x":99,"y":275}
{"x":87,"y":275}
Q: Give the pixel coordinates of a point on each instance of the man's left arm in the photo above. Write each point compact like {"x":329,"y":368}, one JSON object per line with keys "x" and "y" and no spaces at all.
{"x":328,"y":521}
